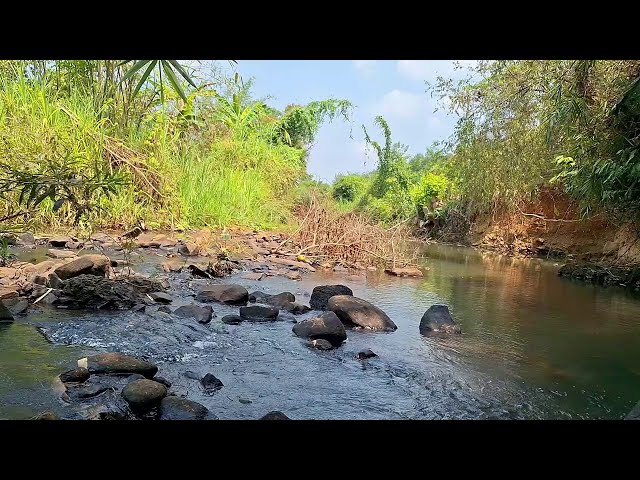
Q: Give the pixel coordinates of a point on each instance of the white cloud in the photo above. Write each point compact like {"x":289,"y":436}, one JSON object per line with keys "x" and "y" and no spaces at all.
{"x":401,"y":104}
{"x":365,"y":67}
{"x":420,"y":70}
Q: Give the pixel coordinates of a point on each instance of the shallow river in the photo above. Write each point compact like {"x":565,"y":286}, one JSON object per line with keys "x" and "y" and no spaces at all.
{"x":533,"y":346}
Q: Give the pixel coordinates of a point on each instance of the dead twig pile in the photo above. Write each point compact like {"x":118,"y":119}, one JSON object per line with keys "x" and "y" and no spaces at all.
{"x":326,"y":235}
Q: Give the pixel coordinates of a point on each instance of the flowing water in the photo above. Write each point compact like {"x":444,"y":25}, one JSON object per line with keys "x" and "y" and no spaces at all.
{"x":533,"y":346}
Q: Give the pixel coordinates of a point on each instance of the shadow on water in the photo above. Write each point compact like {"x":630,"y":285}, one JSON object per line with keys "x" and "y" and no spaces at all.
{"x":533,"y":346}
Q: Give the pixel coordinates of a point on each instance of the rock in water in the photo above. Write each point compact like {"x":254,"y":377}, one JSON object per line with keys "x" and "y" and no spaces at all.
{"x":86,"y":264}
{"x":211,"y":383}
{"x":115,"y":362}
{"x":232,"y":319}
{"x":280,"y":300}
{"x":405,"y":272}
{"x":161,"y":297}
{"x":59,"y":242}
{"x":176,"y":408}
{"x":78,"y":375}
{"x":321,"y":344}
{"x":326,"y":326}
{"x":259,"y":313}
{"x":634,"y":414}
{"x":5,"y":314}
{"x":16,"y":306}
{"x":53,"y":253}
{"x":143,"y":395}
{"x":296,"y":308}
{"x":90,"y":291}
{"x":322,"y":293}
{"x":364,"y":354}
{"x":438,"y":319}
{"x":47,"y":415}
{"x":355,"y":311}
{"x":163,"y":381}
{"x":275,"y":415}
{"x":201,"y":314}
{"x":229,"y":294}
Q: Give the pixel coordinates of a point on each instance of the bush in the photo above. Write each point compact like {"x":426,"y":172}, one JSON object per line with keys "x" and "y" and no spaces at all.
{"x":349,"y":188}
{"x":430,"y":188}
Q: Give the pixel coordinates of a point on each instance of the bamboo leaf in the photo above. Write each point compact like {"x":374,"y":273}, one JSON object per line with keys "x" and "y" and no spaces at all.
{"x":144,"y":78}
{"x":182,"y":72}
{"x":173,"y":80}
{"x":132,"y":71}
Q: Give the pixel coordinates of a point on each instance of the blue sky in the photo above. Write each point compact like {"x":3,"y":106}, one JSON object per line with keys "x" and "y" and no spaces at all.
{"x":392,"y":88}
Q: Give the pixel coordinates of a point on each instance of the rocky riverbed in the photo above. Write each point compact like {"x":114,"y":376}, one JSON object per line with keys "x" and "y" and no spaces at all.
{"x":167,"y":292}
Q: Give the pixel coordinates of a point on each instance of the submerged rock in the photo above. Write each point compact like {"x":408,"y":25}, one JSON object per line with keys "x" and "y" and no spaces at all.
{"x":17,"y":306}
{"x":201,"y":314}
{"x":259,"y":313}
{"x":321,"y":344}
{"x":53,"y":253}
{"x":46,"y":415}
{"x":59,"y":242}
{"x":405,"y":272}
{"x":438,"y":319}
{"x":230,"y":294}
{"x":211,"y":383}
{"x":634,"y":414}
{"x":278,"y":300}
{"x":176,"y":408}
{"x":78,"y":375}
{"x":90,"y":291}
{"x":364,"y":354}
{"x":232,"y":319}
{"x":5,"y":314}
{"x":354,"y":311}
{"x":296,"y":308}
{"x":114,"y":362}
{"x":326,"y":326}
{"x":143,"y":395}
{"x":275,"y":415}
{"x":322,"y":293}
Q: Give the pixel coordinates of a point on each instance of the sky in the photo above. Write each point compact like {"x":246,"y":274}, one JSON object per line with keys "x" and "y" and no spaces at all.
{"x":394,"y":89}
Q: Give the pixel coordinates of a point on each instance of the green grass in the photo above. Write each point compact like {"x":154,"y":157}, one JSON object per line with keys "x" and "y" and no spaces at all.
{"x":215,"y":181}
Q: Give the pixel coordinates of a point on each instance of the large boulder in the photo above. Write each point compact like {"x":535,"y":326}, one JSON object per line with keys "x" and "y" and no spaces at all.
{"x":115,"y":362}
{"x":176,"y":408}
{"x":84,"y":265}
{"x":322,"y":293}
{"x":438,"y":319}
{"x":5,"y":314}
{"x":326,"y":326}
{"x":354,"y":311}
{"x":143,"y":395}
{"x":201,"y":314}
{"x":230,"y":294}
{"x":90,"y":291}
{"x":259,"y":313}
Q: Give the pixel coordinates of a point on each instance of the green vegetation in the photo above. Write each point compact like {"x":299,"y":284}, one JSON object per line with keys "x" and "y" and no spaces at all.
{"x":572,"y":126}
{"x":110,"y":143}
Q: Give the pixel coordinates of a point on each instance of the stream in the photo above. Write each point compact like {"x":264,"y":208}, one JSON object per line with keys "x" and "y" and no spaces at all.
{"x":533,"y":346}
